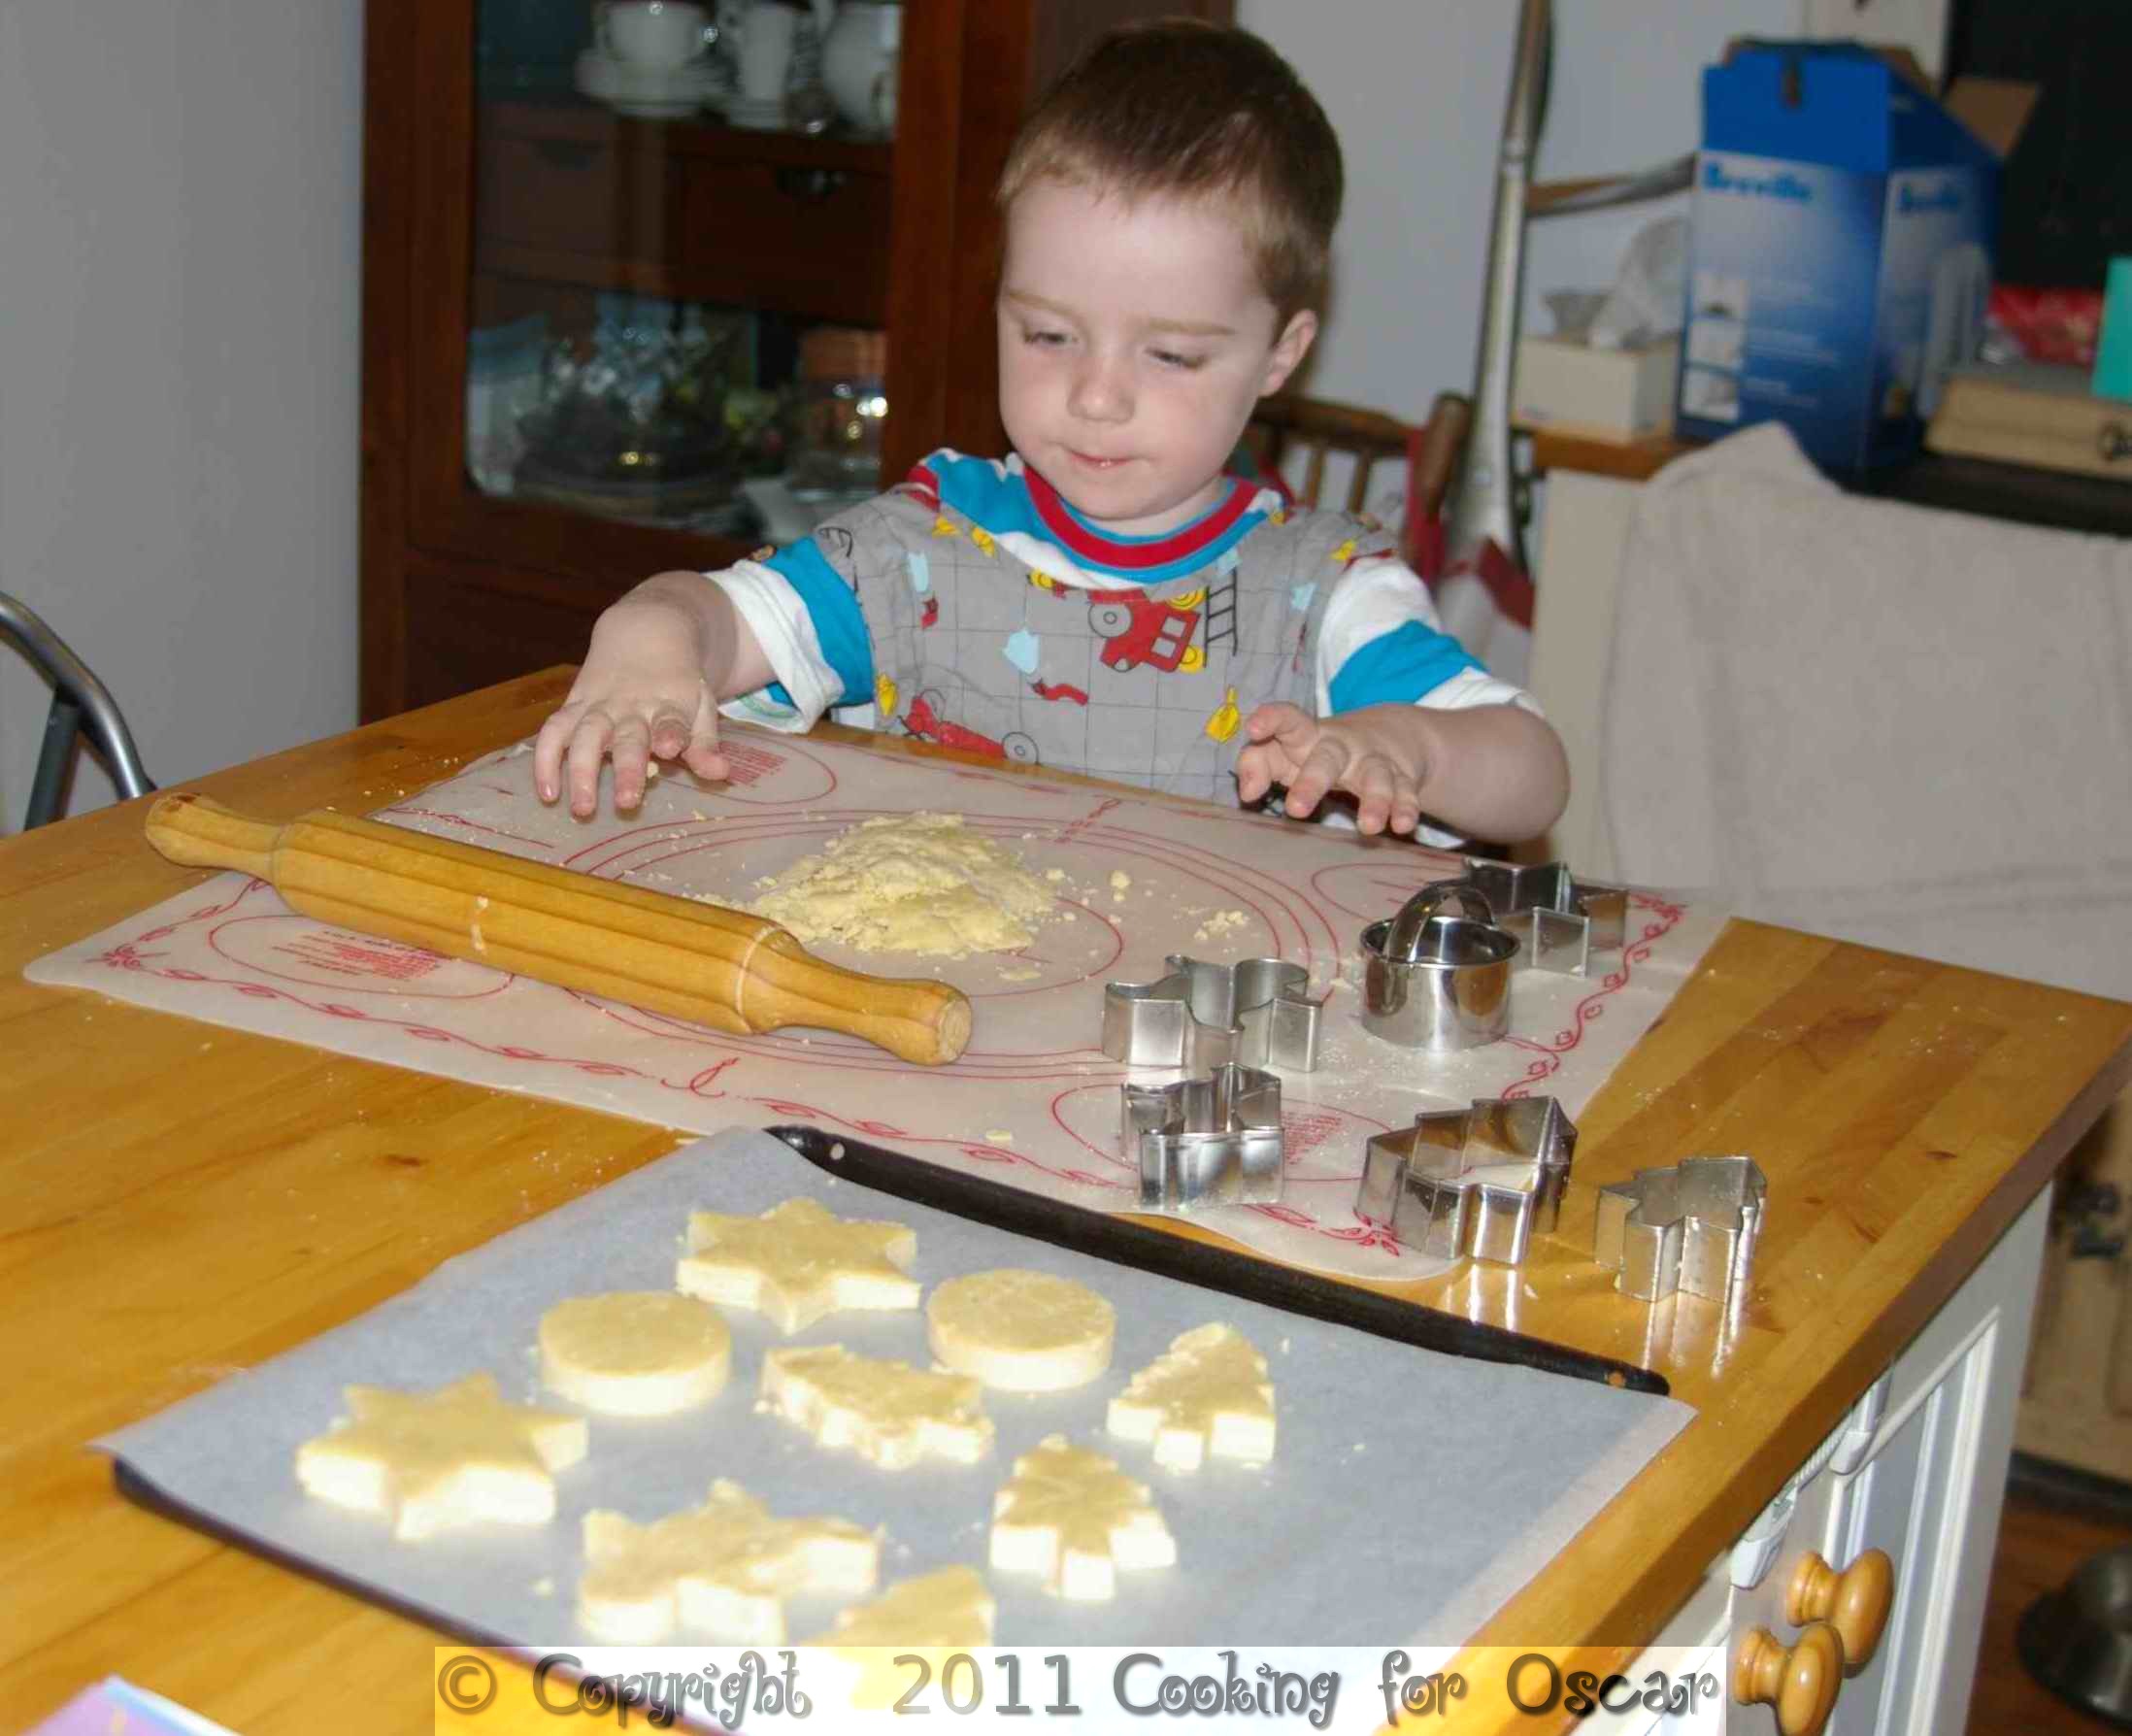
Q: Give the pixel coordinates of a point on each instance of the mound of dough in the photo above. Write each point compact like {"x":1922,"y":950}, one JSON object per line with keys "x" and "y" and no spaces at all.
{"x":915,"y":883}
{"x":1207,"y":1393}
{"x":1021,"y":1331}
{"x":432,"y":1461}
{"x":951,"y":1608}
{"x":1073,"y":1515}
{"x":889,"y":1413}
{"x":724,"y":1569}
{"x":635,"y":1352}
{"x":797,"y":1262}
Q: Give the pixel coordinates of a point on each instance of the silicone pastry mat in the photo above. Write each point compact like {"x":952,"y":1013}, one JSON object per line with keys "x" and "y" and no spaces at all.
{"x":1033,"y":1101}
{"x":1335,"y":1542}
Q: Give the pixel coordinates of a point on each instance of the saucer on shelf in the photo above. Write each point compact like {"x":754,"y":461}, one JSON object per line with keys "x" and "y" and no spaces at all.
{"x":758,"y":115}
{"x":648,"y":92}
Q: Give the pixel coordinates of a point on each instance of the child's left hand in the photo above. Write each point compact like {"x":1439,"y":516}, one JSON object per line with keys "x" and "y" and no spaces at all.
{"x":1375,"y":759}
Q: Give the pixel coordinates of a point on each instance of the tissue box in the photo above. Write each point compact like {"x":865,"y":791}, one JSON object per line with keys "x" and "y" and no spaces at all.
{"x":1839,"y":244}
{"x":1603,"y":394}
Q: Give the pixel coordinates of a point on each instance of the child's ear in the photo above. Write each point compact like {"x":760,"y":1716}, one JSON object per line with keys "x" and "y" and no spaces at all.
{"x":1289,"y":350}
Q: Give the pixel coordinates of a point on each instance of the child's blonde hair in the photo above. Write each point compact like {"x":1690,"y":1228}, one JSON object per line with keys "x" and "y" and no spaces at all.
{"x":1180,"y":107}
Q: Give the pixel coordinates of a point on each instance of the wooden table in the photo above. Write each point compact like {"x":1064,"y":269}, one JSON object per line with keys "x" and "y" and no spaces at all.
{"x":187,"y":1200}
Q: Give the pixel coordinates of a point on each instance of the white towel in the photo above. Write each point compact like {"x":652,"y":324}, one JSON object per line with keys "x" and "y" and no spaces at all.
{"x":1906,"y":727}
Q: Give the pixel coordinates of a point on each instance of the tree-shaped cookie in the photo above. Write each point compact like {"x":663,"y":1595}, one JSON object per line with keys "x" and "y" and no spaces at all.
{"x":951,"y":1608}
{"x":889,"y":1411}
{"x":797,"y":1262}
{"x":453,"y":1457}
{"x":1073,"y":1515}
{"x":1207,"y":1393}
{"x":723,"y":1570}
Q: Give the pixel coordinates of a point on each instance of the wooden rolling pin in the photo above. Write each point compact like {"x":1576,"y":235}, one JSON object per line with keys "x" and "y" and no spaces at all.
{"x":703,"y":962}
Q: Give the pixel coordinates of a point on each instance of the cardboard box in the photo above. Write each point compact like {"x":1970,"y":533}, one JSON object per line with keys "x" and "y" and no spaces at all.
{"x":1839,"y":244}
{"x":1603,"y":394}
{"x":2033,"y":413}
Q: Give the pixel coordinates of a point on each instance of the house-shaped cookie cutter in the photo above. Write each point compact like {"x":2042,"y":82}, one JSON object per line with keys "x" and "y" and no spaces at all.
{"x":1435,"y":981}
{"x":1203,"y":1142}
{"x":1256,"y":1013}
{"x":1559,"y":919}
{"x":1691,"y":1227}
{"x":1480,"y":1181}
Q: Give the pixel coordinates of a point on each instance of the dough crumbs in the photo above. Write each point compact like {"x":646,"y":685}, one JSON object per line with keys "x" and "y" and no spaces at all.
{"x":1021,"y":1331}
{"x":998,"y":1136}
{"x":722,"y":1570}
{"x":891,"y":1413}
{"x":1207,"y":1393}
{"x":635,"y":1352}
{"x":1219,"y":923}
{"x":1071,"y":1515}
{"x":951,"y":1608}
{"x":432,"y":1461}
{"x":917,"y":883}
{"x":797,"y":1262}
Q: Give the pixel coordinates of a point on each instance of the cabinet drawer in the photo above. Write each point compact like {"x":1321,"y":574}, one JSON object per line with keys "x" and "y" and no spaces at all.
{"x":812,"y":242}
{"x":573,"y":196}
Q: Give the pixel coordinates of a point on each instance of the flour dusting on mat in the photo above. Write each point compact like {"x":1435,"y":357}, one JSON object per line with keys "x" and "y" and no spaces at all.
{"x":918,"y":883}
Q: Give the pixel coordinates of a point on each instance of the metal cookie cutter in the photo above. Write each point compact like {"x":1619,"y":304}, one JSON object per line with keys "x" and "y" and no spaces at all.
{"x":1436,"y":982}
{"x":1560,"y":920}
{"x":1691,"y":1227}
{"x":1477,"y":1180}
{"x":1204,"y":1142}
{"x":1256,"y":1013}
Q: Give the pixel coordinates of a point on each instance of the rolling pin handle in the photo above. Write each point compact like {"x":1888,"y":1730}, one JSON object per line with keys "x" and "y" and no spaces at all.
{"x":190,"y":829}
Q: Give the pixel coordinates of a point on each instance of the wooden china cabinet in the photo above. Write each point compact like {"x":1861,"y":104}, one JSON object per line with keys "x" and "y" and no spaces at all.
{"x":508,"y":212}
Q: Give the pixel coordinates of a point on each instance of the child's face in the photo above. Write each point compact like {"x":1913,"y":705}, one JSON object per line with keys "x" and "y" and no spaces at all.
{"x":1134,"y":341}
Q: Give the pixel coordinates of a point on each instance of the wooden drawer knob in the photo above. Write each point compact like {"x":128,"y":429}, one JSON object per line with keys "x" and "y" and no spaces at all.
{"x":1854,"y":1602}
{"x":1798,"y":1684}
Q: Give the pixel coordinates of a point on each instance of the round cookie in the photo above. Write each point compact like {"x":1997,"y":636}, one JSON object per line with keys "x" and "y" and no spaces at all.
{"x":1021,"y":1331}
{"x":635,"y":1352}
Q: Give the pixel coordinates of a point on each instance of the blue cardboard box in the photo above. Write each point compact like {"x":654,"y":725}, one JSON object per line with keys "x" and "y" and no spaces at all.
{"x":1839,"y":244}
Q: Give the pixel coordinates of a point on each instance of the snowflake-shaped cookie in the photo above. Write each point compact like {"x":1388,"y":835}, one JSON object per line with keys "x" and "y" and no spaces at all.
{"x":887,"y":1411}
{"x":1207,"y":1393}
{"x":797,"y":1262}
{"x":453,"y":1457}
{"x":1073,"y":1515}
{"x":724,"y":1569}
{"x":951,"y":1608}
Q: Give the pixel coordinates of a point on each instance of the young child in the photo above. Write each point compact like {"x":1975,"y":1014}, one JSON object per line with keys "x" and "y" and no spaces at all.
{"x":1107,"y":598}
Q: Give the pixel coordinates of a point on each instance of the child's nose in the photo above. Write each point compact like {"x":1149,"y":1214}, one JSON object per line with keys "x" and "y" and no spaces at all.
{"x":1101,"y":391}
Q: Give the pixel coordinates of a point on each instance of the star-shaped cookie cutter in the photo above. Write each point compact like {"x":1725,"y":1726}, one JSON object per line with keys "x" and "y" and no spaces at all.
{"x":1480,"y":1180}
{"x":1691,"y":1227}
{"x":1560,"y":920}
{"x":1209,"y":1141}
{"x":1254,"y":1013}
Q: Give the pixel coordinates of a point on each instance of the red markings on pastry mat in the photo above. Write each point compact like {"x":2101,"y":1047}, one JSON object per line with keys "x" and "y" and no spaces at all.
{"x":293,"y":948}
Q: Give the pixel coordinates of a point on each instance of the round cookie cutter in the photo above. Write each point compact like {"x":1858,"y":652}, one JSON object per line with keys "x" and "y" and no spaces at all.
{"x":1438,"y":981}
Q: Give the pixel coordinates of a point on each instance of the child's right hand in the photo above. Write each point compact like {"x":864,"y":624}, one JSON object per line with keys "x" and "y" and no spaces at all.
{"x":642,"y":693}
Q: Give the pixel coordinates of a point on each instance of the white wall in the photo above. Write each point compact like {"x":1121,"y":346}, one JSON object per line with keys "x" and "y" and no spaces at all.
{"x":1417,"y":89}
{"x":180,"y":279}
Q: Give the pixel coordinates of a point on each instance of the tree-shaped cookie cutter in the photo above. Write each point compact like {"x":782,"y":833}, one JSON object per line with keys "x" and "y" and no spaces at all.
{"x":1691,"y":1227}
{"x":1212,"y":1141}
{"x":1480,"y":1181}
{"x":1559,"y":919}
{"x":1254,"y":1013}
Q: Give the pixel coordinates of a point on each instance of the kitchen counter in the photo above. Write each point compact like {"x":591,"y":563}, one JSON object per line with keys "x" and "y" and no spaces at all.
{"x":189,"y":1200}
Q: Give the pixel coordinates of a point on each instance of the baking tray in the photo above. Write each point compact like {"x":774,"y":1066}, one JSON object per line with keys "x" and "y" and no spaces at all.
{"x":1411,"y":1492}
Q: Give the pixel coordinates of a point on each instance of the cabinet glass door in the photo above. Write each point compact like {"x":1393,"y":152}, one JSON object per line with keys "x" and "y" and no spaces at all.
{"x":680,"y":258}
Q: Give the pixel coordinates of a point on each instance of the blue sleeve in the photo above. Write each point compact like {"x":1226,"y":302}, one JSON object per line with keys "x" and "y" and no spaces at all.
{"x":833,"y":609}
{"x":1399,"y":667}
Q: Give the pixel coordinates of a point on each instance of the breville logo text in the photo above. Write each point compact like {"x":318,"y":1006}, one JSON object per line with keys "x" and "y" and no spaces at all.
{"x":1782,"y":185}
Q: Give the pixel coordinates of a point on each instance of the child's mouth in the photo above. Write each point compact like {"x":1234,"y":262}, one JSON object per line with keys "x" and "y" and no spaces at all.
{"x":1096,"y":463}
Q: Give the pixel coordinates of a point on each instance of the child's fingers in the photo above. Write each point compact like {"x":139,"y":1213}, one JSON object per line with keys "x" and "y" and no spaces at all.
{"x":669,"y":733}
{"x":587,"y":749}
{"x":548,"y":751}
{"x":1277,"y":722}
{"x":1370,"y":780}
{"x":630,"y":749}
{"x":1318,"y":772}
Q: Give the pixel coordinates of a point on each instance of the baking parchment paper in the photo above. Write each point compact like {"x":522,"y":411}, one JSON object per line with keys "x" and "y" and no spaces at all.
{"x":1411,"y":1493}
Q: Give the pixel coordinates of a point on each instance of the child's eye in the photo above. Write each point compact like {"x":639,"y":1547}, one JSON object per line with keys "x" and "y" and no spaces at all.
{"x":1170,"y":358}
{"x":1042,"y":339}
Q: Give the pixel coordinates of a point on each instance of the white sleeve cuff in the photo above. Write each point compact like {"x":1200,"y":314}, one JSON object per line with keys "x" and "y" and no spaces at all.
{"x":771,"y":609}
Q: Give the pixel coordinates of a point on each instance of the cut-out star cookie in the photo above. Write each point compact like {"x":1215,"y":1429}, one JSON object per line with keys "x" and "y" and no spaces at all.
{"x":887,"y":1411}
{"x":797,"y":1262}
{"x":1207,"y":1393}
{"x":951,"y":1608}
{"x":431,"y":1460}
{"x":1073,"y":1515}
{"x":724,"y":1569}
